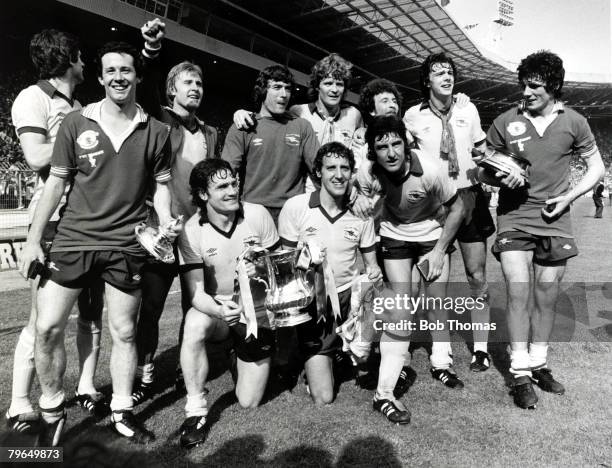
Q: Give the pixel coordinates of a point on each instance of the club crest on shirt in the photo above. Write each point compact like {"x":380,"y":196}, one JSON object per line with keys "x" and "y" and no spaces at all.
{"x":351,"y":233}
{"x":292,"y":139}
{"x":251,"y":241}
{"x":415,"y":196}
{"x":516,"y":128}
{"x":88,"y":139}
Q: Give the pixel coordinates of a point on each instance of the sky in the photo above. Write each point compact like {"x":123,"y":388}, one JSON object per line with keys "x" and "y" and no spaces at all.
{"x":579,"y":31}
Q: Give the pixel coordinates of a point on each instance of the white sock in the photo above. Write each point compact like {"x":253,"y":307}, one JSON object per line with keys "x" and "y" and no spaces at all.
{"x":147,"y":373}
{"x":196,"y":405}
{"x":481,"y":314}
{"x":441,"y":355}
{"x":537,"y":356}
{"x":88,"y":346}
{"x":392,"y":357}
{"x":122,"y":403}
{"x":480,"y":346}
{"x":408,"y":359}
{"x":519,"y":363}
{"x":49,"y":406}
{"x":23,"y":374}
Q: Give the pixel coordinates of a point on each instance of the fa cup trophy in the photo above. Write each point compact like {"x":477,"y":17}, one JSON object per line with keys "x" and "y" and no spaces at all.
{"x":288,"y":280}
{"x":289,"y":287}
{"x":156,"y":241}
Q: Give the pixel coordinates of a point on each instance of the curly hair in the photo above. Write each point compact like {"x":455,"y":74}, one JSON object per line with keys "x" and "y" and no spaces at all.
{"x":381,"y":126}
{"x":53,"y":52}
{"x":374,"y":88}
{"x":334,"y":149}
{"x":202,"y":175}
{"x":546,"y":66}
{"x":440,"y":57}
{"x":120,"y":48}
{"x":333,"y":65}
{"x":174,"y":73}
{"x":271,"y":73}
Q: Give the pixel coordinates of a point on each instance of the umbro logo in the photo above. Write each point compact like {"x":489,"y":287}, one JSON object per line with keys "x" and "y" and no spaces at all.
{"x":311,"y":229}
{"x":257,"y":141}
{"x":292,"y":139}
{"x":211,"y":252}
{"x":504,"y":241}
{"x":51,"y":266}
{"x":136,"y":277}
{"x":567,"y":247}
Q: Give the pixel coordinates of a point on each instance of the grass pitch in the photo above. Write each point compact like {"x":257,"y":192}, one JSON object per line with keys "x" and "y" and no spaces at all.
{"x":476,"y":426}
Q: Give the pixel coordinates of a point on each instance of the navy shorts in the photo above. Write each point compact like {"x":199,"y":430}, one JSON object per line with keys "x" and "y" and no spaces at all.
{"x":478,"y":223}
{"x":394,"y":249}
{"x":79,"y":269}
{"x":321,"y":338}
{"x":252,"y":349}
{"x":91,"y":302}
{"x":547,"y":250}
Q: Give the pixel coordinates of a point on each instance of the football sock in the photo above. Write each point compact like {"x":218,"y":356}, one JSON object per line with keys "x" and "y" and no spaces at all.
{"x":537,"y":355}
{"x":196,"y":405}
{"x":441,"y":355}
{"x":122,"y":403}
{"x":392,"y":358}
{"x":23,"y":374}
{"x":88,"y":346}
{"x":519,"y":363}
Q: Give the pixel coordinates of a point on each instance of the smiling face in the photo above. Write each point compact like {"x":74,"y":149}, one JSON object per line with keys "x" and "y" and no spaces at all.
{"x":385,"y":103}
{"x":119,"y":77}
{"x":221,"y":195}
{"x":335,"y":175}
{"x":277,"y":98}
{"x":390,"y":153}
{"x":441,"y":80}
{"x":331,"y":91}
{"x":536,"y":97}
{"x":188,"y":90}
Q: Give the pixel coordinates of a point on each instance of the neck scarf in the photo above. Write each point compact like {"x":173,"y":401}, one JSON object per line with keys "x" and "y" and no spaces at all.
{"x":448,"y":151}
{"x":328,"y":134}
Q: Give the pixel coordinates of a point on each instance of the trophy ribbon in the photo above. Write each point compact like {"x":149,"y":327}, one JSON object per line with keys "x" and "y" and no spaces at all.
{"x":354,"y":340}
{"x":245,"y":294}
{"x":325,"y":284}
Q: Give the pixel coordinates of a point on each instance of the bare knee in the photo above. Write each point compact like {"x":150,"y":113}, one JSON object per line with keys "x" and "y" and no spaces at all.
{"x":476,"y":279}
{"x":322,"y":397}
{"x":198,"y":327}
{"x":248,"y":401}
{"x":124,"y":333}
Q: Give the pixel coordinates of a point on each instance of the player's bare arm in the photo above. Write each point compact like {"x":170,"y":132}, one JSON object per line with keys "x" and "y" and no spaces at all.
{"x":36,"y":151}
{"x":49,"y":200}
{"x":451,"y":225}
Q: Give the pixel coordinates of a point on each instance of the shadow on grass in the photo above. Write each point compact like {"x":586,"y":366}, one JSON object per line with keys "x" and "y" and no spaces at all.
{"x":248,"y":450}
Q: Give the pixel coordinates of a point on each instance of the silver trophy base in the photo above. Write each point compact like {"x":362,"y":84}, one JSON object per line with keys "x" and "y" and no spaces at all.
{"x":154,"y":244}
{"x":291,"y":317}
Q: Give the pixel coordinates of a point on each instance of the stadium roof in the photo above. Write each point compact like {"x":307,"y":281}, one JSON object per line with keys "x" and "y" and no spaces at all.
{"x":389,"y":39}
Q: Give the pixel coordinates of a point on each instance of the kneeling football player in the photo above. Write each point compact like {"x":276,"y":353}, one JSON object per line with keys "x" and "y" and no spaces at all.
{"x":323,"y":217}
{"x":208,"y":251}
